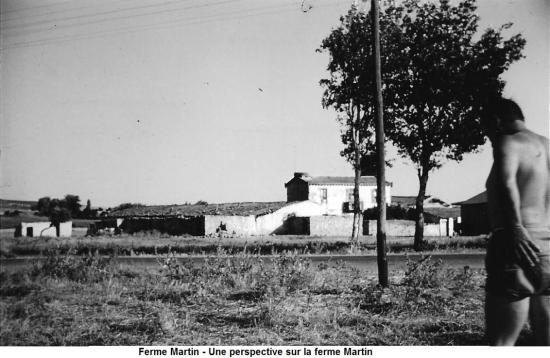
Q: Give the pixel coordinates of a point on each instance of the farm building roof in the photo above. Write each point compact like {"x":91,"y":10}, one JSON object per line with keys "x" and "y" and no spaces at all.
{"x":480,"y":198}
{"x":443,"y":213}
{"x":403,"y":200}
{"x":366,"y":180}
{"x":236,"y":209}
{"x":410,"y":201}
{"x":328,"y":180}
{"x":324,"y":180}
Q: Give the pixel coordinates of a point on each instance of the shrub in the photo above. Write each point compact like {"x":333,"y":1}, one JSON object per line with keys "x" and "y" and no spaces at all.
{"x":393,"y":212}
{"x":242,"y":275}
{"x":423,"y":273}
{"x":90,"y":268}
{"x":127,"y":206}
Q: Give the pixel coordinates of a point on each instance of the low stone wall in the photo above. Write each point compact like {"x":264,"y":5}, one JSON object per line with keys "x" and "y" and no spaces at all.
{"x":273,"y":223}
{"x":235,"y":225}
{"x":328,"y":225}
{"x":171,"y":226}
{"x":406,"y":228}
{"x":280,"y":222}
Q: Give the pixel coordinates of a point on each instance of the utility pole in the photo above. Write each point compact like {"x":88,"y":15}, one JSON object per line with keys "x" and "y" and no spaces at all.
{"x":381,"y":162}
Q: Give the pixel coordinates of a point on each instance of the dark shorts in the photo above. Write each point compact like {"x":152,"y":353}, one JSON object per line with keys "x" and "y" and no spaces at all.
{"x":508,"y":278}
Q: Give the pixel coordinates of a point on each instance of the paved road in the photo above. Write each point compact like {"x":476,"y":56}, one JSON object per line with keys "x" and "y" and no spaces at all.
{"x":366,"y":263}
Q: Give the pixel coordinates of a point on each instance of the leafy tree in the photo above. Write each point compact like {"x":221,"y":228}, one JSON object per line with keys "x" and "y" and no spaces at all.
{"x":393,"y":212}
{"x":43,"y":206}
{"x":59,"y":210}
{"x":437,"y":77}
{"x":348,"y":92}
{"x":72,"y":203}
{"x":59,"y":215}
{"x":88,"y":212}
{"x":12,"y":213}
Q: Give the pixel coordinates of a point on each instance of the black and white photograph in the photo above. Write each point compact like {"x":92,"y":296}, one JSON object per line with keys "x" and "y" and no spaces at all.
{"x":334,"y":174}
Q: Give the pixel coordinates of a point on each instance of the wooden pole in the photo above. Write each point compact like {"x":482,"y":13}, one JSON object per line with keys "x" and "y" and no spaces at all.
{"x":381,"y":162}
{"x":357,"y":166}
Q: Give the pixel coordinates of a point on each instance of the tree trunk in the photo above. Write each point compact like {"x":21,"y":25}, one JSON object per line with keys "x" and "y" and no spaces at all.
{"x":419,"y":227}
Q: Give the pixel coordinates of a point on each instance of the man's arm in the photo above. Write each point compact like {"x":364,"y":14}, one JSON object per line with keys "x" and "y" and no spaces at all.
{"x":547,"y":148}
{"x":507,"y":159}
{"x":548,"y":195}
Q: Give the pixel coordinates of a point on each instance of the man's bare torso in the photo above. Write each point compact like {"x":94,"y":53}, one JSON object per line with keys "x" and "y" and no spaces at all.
{"x":532,"y":178}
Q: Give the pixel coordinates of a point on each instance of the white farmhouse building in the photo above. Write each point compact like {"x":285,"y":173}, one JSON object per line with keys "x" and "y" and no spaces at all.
{"x":335,"y":194}
{"x":44,"y":229}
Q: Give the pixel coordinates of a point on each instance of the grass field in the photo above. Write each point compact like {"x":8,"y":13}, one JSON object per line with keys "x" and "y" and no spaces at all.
{"x":73,"y":300}
{"x":155,"y":244}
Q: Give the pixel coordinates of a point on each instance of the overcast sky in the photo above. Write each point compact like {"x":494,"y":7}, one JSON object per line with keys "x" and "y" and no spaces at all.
{"x":164,"y":102}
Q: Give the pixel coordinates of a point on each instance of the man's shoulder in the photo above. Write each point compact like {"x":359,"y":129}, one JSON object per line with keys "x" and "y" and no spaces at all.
{"x":512,"y":145}
{"x":522,"y":138}
{"x":508,"y":142}
{"x":544,"y":140}
{"x":537,"y":138}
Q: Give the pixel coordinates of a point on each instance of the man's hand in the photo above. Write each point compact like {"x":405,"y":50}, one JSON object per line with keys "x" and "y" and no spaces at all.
{"x":522,"y":248}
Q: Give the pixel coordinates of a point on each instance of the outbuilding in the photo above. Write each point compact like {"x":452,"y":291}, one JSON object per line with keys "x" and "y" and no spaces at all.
{"x":474,"y":215}
{"x":44,"y":229}
{"x":241,"y":219}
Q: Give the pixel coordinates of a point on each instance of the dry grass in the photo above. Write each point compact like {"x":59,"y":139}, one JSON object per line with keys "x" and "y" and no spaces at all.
{"x":147,"y":244}
{"x":73,"y":300}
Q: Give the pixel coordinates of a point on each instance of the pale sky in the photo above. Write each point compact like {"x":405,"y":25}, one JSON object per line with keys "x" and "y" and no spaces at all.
{"x":163,"y":102}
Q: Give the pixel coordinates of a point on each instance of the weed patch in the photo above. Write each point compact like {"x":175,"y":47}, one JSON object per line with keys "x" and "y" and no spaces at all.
{"x":90,"y":268}
{"x":238,"y":299}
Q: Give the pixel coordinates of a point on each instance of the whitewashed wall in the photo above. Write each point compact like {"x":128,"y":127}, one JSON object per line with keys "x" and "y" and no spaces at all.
{"x":44,"y":229}
{"x":66,"y":229}
{"x":407,"y":227}
{"x":273,"y":223}
{"x":337,"y":196}
{"x":41,"y":228}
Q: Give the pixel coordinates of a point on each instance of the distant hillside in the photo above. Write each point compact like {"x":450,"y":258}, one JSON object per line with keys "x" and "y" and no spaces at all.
{"x":7,"y":222}
{"x":7,"y":204}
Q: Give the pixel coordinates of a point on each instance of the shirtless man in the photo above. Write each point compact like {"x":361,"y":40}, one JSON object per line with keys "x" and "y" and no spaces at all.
{"x":518,"y":253}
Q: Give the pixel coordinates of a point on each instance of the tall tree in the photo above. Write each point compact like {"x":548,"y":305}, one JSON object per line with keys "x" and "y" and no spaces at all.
{"x":87,"y":212}
{"x":59,"y":214}
{"x":72,"y":203}
{"x":43,"y":206}
{"x":437,"y":77}
{"x":347,"y":91}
